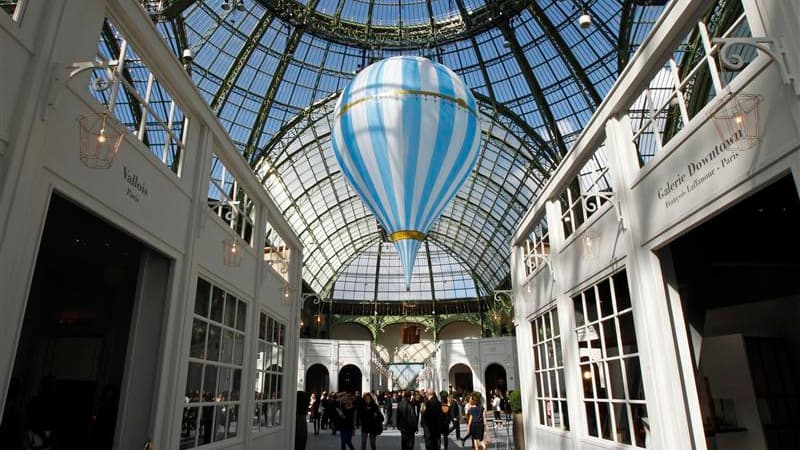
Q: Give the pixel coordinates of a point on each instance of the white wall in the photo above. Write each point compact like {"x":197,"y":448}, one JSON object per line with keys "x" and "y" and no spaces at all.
{"x":392,"y":350}
{"x":460,"y":330}
{"x":351,"y":331}
{"x":41,"y":157}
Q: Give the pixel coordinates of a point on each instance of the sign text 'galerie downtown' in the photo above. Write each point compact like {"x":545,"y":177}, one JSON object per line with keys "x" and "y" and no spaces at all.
{"x":699,"y":171}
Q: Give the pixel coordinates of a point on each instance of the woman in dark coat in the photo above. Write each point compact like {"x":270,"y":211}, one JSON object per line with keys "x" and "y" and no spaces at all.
{"x":369,"y":414}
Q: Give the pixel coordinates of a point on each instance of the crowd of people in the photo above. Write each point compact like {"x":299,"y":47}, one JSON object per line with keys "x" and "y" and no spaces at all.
{"x":436,"y":416}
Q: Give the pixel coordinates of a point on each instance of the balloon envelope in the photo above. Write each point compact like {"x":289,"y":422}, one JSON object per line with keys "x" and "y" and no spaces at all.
{"x":406,"y":134}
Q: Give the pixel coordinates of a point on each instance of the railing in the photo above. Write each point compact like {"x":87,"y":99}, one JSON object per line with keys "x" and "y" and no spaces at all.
{"x":537,"y":248}
{"x":230,"y":202}
{"x":584,"y":196}
{"x":127,"y":87}
{"x":687,"y":82}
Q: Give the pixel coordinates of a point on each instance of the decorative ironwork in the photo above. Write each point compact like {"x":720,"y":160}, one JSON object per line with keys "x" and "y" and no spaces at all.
{"x":774,"y":49}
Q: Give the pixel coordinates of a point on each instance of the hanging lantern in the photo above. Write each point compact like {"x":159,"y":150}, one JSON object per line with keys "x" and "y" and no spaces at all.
{"x":738,"y":123}
{"x":231,"y":252}
{"x":406,"y":134}
{"x":101,"y":137}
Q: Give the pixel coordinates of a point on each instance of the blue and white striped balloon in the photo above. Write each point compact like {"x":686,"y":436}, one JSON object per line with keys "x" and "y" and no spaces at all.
{"x":406,"y":134}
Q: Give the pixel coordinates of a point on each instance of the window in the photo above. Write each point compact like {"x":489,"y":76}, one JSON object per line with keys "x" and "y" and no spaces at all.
{"x":609,"y":361}
{"x":548,"y":368}
{"x":137,"y":99}
{"x":14,"y":8}
{"x":409,"y":335}
{"x":269,"y":373}
{"x":216,"y":357}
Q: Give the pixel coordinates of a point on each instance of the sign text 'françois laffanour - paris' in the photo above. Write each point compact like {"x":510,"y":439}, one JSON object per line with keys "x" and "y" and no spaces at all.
{"x":136,"y":187}
{"x":698,"y":171}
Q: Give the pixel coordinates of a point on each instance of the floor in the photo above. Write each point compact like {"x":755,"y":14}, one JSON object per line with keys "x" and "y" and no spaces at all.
{"x":390,"y":440}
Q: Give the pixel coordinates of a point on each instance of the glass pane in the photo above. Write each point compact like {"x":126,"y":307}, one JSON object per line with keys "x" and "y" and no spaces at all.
{"x":604,"y":416}
{"x":206,"y":425}
{"x":564,"y":415}
{"x":534,"y":332}
{"x":579,"y":315}
{"x":214,"y":337}
{"x":621,"y":292}
{"x":210,"y":383}
{"x":189,"y":427}
{"x":615,"y":379}
{"x":278,"y":388}
{"x":236,"y":384}
{"x":556,"y":329}
{"x":262,"y":326}
{"x":217,"y":304}
{"x":224,"y":384}
{"x":277,"y":416}
{"x":559,"y":353}
{"x":591,"y":419}
{"x":220,"y":422}
{"x":282,"y":335}
{"x":587,"y":376}
{"x":601,"y":380}
{"x":238,"y":349}
{"x":610,"y":338}
{"x":541,"y":412}
{"x":230,"y":310}
{"x":226,"y":355}
{"x":561,"y":386}
{"x":640,"y":424}
{"x":233,"y":421}
{"x":197,"y":349}
{"x":539,"y":386}
{"x":591,"y":305}
{"x":621,"y":418}
{"x":241,"y":316}
{"x":627,"y":334}
{"x":201,"y":297}
{"x":634,"y":376}
{"x":604,"y":298}
{"x":270,"y":329}
{"x":194,"y":380}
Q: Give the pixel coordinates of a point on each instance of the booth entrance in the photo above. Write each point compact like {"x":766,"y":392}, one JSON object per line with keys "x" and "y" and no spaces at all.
{"x":85,"y":366}
{"x":349,"y":379}
{"x":495,"y":379}
{"x":461,"y":378}
{"x":317,"y":379}
{"x":735,"y":279}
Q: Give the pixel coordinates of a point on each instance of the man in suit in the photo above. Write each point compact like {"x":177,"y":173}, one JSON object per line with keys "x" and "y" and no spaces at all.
{"x":432,"y":420}
{"x":406,"y":421}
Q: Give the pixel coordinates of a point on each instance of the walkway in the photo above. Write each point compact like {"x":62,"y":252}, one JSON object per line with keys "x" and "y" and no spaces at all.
{"x":390,"y":440}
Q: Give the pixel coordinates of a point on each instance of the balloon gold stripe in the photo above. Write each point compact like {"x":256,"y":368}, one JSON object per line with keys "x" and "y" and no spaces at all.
{"x":403,"y":92}
{"x":407,"y":234}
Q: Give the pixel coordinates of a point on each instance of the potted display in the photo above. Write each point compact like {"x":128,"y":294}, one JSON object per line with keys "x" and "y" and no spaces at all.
{"x":515,"y":401}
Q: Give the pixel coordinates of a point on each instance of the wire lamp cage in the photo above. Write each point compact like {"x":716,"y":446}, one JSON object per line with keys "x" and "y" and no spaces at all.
{"x":101,"y":137}
{"x":232,"y":252}
{"x":738,"y":123}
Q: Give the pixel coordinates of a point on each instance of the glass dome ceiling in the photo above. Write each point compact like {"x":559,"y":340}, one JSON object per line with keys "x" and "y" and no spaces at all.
{"x":271,"y":70}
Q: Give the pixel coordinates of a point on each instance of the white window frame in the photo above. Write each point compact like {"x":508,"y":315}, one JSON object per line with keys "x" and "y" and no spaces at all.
{"x":272,"y":337}
{"x":548,"y":373}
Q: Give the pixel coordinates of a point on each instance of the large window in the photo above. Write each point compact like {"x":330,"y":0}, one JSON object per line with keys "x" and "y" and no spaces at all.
{"x":609,"y":360}
{"x":216,"y":356}
{"x":269,"y":373}
{"x":548,"y":366}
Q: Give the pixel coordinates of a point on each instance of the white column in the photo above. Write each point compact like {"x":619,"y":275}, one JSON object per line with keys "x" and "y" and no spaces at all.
{"x":666,"y":408}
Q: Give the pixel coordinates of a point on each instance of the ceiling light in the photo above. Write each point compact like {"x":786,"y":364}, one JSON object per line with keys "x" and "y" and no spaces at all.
{"x":226,"y":6}
{"x":585,"y":20}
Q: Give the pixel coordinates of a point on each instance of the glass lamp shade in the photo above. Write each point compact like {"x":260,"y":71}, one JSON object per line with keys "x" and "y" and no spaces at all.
{"x":100,"y":138}
{"x":231,"y":252}
{"x":738,"y":123}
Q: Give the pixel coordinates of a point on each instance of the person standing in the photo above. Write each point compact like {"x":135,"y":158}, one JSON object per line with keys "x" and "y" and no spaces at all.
{"x":387,"y":408}
{"x":454,"y":417}
{"x":432,"y":420}
{"x":406,"y":421}
{"x":315,"y":414}
{"x":496,"y":404}
{"x":476,"y":423}
{"x":346,"y":422}
{"x":369,"y":414}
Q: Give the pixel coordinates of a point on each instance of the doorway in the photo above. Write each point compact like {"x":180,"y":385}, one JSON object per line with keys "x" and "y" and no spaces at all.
{"x":495,"y":380}
{"x":317,"y":379}
{"x":737,"y":279}
{"x":73,"y":380}
{"x":461,"y":379}
{"x":349,"y":379}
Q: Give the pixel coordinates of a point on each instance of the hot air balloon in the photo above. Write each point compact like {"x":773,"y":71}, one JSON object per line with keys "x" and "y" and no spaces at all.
{"x":406,"y":135}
